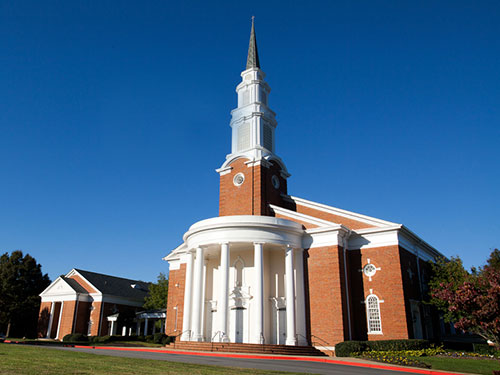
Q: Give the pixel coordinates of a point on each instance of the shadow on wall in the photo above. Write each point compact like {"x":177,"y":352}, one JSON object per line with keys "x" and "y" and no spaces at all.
{"x":43,"y":323}
{"x":356,"y":287}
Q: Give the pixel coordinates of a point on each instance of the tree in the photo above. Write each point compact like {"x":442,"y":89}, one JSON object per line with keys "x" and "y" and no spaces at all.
{"x":470,"y":300}
{"x":21,"y":281}
{"x":158,"y":292}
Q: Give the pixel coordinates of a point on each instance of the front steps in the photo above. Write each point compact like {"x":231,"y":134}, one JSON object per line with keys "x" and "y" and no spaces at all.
{"x":246,"y":348}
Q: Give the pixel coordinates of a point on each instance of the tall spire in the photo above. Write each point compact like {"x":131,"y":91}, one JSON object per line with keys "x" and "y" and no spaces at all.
{"x":253,"y":55}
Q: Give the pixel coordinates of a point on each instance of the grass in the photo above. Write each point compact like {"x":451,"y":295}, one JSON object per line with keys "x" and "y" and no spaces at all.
{"x":475,"y":366}
{"x":28,"y":360}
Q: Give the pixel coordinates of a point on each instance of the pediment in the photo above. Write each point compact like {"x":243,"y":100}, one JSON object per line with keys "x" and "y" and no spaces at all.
{"x":58,"y":287}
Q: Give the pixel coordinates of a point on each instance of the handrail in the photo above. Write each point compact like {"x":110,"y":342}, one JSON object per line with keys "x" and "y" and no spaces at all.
{"x":218,"y":333}
{"x":324,"y":341}
{"x":187,"y":330}
{"x":297,"y":337}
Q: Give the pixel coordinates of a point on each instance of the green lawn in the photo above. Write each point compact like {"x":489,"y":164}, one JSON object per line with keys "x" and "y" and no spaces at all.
{"x":28,"y":360}
{"x":474,"y":366}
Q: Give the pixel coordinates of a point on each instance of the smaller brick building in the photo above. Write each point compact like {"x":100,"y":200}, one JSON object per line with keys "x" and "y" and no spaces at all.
{"x":81,"y":302}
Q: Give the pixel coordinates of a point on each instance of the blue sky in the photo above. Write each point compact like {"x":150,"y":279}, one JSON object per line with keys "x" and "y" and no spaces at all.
{"x":115,"y":115}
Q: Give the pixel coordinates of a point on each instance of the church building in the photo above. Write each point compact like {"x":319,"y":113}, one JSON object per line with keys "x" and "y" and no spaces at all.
{"x":274,"y":268}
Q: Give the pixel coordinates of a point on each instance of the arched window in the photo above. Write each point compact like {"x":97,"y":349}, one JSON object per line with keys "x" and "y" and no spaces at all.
{"x":373,"y":314}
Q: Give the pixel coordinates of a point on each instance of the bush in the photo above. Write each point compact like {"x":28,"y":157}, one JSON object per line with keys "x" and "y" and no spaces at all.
{"x":398,"y":345}
{"x":346,"y":348}
{"x":149,"y":338}
{"x":167,"y":340}
{"x":75,"y":337}
{"x":158,"y":337}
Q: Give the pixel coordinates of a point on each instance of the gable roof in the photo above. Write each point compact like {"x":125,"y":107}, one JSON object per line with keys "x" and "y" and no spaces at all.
{"x":74,"y":285}
{"x":115,"y":286}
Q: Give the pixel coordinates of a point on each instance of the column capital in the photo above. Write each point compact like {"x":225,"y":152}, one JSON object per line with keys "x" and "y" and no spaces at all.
{"x":224,"y":243}
{"x":259,"y":243}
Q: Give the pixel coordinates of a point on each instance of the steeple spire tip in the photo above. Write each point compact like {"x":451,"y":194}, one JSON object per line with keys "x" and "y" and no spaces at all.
{"x":253,"y":55}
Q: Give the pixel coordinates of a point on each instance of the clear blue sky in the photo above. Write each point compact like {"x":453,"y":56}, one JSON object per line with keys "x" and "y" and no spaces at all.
{"x":115,"y":115}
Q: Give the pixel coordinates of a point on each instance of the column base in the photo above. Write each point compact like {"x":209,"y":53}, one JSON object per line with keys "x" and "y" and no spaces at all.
{"x":291,"y":342}
{"x":224,"y":338}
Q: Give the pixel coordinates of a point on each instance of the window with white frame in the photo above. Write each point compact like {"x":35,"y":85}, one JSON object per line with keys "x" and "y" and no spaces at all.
{"x":373,"y":314}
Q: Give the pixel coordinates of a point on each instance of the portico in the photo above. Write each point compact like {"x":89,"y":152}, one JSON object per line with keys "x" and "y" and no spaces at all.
{"x":237,"y":267}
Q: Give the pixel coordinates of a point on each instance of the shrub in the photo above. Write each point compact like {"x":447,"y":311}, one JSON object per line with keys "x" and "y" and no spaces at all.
{"x":347,"y":348}
{"x":158,"y":337}
{"x":75,"y":337}
{"x":149,"y":338}
{"x":398,"y":345}
{"x":167,"y":340}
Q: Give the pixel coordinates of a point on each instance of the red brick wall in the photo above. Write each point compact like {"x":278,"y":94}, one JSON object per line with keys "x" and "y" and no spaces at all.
{"x":352,"y":224}
{"x":177,"y":283}
{"x":43,"y":319}
{"x":95,"y":316}
{"x":253,"y":196}
{"x":82,"y":317}
{"x":67,"y":317}
{"x":326,"y":300}
{"x":83,"y":283}
{"x":387,"y":285}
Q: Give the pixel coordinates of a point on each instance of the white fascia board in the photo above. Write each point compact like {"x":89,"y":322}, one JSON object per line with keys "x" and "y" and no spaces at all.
{"x":324,"y":236}
{"x":411,"y":242}
{"x":46,"y":290}
{"x":117,"y":300}
{"x":339,"y":212}
{"x":302,"y":217}
{"x":60,"y":297}
{"x":376,"y":237}
{"x":75,"y":272}
{"x":396,"y":235}
{"x":175,"y":253}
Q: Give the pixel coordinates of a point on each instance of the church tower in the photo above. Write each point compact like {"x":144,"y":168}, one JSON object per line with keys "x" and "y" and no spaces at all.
{"x":252,"y":176}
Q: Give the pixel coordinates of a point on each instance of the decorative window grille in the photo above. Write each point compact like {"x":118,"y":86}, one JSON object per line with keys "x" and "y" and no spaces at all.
{"x":373,"y":314}
{"x":268,"y":138}
{"x":244,"y":137}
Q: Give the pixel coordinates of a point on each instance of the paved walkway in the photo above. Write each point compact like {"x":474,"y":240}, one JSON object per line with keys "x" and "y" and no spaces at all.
{"x":308,"y":365}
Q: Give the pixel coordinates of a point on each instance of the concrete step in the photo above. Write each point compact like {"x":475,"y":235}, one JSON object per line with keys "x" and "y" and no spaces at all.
{"x":247,"y":348}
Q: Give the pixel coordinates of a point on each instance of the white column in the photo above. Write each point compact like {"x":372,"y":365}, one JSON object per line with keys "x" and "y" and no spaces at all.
{"x":146,"y":327}
{"x":224,"y":296}
{"x":51,"y":318}
{"x":112,"y":330}
{"x":198,"y":295}
{"x":258,"y":293}
{"x":59,"y":321}
{"x":188,"y":287}
{"x":300,"y":300}
{"x":290,"y":298}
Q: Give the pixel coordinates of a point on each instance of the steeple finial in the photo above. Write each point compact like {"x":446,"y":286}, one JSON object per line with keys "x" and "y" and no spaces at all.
{"x":253,"y":55}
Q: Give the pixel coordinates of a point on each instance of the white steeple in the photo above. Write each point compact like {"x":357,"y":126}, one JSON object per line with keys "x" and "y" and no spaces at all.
{"x":253,"y":122}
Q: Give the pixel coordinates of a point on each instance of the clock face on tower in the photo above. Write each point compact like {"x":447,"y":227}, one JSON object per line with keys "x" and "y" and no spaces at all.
{"x":276,"y":181}
{"x":239,"y":179}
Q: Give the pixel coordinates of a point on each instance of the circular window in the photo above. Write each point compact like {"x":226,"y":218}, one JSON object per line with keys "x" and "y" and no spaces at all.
{"x":276,"y":181}
{"x":369,"y":270}
{"x":238,"y":179}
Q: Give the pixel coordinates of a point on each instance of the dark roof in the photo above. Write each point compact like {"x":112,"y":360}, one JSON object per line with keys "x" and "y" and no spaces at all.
{"x":253,"y":55}
{"x":74,"y":284}
{"x":116,"y":286}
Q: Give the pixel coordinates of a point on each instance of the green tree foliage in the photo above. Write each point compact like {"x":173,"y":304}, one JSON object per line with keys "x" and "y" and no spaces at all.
{"x":21,"y":281}
{"x":470,"y":300}
{"x":158,"y":292}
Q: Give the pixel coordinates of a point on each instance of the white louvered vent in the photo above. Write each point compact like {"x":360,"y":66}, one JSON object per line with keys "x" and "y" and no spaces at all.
{"x":244,"y":137}
{"x":268,"y":138}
